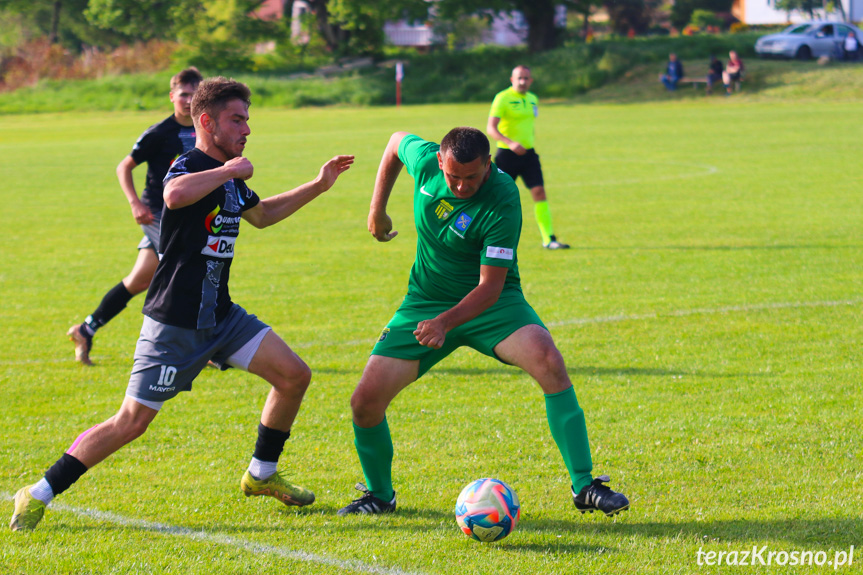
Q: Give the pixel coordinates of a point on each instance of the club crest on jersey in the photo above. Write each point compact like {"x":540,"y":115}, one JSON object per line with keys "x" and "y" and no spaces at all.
{"x":443,"y":209}
{"x":219,"y":247}
{"x":384,"y":334}
{"x":462,"y":222}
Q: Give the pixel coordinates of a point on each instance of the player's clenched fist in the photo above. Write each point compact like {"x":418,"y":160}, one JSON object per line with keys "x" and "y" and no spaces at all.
{"x":240,"y":168}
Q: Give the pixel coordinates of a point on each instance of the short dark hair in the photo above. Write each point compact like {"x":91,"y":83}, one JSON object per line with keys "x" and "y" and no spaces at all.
{"x":190,"y":75}
{"x":465,"y":144}
{"x":214,"y":94}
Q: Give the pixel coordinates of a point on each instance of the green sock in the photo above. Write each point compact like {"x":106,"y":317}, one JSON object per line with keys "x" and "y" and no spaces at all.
{"x":543,"y":219}
{"x":375,"y":448}
{"x":566,"y":420}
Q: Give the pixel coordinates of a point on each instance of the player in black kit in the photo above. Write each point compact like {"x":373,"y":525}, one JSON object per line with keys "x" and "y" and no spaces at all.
{"x":159,"y":146}
{"x":189,"y":316}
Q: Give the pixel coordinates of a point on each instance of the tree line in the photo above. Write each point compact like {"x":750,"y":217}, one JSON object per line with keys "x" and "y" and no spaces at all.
{"x":343,"y":27}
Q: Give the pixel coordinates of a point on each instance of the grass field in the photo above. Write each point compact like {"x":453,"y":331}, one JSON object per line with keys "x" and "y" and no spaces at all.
{"x":709,"y":313}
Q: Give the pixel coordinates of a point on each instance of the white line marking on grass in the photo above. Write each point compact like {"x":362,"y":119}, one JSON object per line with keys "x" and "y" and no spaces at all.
{"x":703,"y":311}
{"x":369,"y":342}
{"x":245,"y":545}
{"x":704,"y":170}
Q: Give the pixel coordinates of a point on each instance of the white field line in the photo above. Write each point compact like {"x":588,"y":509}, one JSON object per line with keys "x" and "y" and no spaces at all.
{"x":245,"y":545}
{"x":704,"y":170}
{"x":704,"y":311}
{"x":369,"y":342}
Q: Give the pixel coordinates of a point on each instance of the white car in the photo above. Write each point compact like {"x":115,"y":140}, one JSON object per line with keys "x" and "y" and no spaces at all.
{"x":808,"y":40}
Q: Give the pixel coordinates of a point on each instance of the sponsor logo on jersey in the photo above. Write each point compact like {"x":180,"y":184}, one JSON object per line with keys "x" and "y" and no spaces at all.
{"x":219,"y":247}
{"x":424,"y":192}
{"x":443,"y":209}
{"x":499,"y":253}
{"x":213,"y":221}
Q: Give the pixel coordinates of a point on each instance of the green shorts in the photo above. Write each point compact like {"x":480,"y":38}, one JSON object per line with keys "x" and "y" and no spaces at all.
{"x":510,"y":313}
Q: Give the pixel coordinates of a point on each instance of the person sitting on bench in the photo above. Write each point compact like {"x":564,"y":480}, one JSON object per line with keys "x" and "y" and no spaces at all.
{"x":714,"y":73}
{"x":733,"y":72}
{"x":673,"y":73}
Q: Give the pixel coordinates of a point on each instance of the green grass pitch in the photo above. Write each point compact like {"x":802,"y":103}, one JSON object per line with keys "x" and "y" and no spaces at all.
{"x":709,"y":313}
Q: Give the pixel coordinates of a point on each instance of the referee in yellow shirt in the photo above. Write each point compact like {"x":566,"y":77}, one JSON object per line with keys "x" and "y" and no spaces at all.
{"x":510,"y":122}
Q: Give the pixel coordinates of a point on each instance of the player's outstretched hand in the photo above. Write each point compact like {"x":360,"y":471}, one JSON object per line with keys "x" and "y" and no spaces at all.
{"x":430,"y":333}
{"x":381,"y":227}
{"x":240,"y":168}
{"x":331,"y":171}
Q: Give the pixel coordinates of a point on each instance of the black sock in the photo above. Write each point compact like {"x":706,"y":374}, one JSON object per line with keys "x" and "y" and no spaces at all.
{"x":113,"y":303}
{"x":270,"y":444}
{"x":64,"y":473}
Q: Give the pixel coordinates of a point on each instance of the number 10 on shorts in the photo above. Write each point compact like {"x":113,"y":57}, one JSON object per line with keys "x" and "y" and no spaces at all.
{"x":167,"y":375}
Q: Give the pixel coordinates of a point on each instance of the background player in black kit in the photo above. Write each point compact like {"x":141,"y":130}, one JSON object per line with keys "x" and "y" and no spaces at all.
{"x":158,"y":146}
{"x":189,"y":316}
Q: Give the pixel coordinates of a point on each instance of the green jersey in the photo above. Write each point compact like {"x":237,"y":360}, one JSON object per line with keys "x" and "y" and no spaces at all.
{"x":456,"y":236}
{"x":517,"y":113}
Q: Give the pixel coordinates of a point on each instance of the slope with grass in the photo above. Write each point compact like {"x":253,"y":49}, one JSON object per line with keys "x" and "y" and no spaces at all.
{"x":439,"y":77}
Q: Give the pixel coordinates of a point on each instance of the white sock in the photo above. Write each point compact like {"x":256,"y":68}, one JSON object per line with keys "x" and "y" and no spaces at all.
{"x":42,"y":491}
{"x":262,"y":469}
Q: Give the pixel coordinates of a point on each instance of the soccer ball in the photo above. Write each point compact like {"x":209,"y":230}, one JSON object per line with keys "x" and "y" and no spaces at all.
{"x":487,"y":510}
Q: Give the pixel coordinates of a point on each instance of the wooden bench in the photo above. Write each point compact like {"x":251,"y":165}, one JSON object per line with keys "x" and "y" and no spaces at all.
{"x":703,"y":80}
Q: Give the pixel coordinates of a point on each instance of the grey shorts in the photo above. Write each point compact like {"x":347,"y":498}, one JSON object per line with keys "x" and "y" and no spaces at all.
{"x":151,"y":235}
{"x":169,"y":358}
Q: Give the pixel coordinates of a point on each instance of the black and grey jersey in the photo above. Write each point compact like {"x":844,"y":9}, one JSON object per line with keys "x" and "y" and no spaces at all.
{"x":190,"y":287}
{"x":159,"y":146}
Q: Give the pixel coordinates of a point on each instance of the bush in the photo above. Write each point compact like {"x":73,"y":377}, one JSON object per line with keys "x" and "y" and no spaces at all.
{"x":215,"y":58}
{"x":703,"y":19}
{"x":31,"y":62}
{"x":682,"y":10}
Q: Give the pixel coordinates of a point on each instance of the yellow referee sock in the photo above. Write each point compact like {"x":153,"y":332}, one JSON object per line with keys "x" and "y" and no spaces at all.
{"x":543,"y":220}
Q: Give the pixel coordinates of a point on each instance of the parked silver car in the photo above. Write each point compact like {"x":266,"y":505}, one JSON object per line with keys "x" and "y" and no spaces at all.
{"x":808,"y":40}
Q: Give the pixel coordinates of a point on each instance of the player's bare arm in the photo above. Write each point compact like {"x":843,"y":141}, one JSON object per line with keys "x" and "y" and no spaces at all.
{"x":380,"y":224}
{"x":275,"y":209}
{"x":493,"y":130}
{"x":140,"y":212}
{"x":432,"y":332}
{"x":187,"y":189}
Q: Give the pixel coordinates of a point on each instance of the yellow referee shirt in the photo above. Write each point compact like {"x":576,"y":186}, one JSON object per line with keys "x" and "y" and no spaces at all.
{"x":516,"y":112}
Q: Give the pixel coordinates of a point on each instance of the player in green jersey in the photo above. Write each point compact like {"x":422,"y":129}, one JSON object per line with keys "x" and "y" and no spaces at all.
{"x":464,"y":289}
{"x":510,"y":122}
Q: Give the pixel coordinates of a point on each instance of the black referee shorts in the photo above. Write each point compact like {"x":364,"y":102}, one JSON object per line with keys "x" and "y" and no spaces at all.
{"x":526,"y":166}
